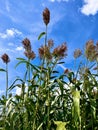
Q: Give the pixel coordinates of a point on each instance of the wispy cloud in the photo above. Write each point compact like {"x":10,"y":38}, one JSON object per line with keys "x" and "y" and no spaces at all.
{"x":58,"y":0}
{"x":10,"y":44}
{"x":10,"y":33}
{"x":90,"y":7}
{"x":7,"y":5}
{"x":20,"y":48}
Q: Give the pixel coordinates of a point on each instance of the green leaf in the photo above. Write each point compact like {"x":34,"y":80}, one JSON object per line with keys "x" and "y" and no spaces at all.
{"x":55,"y":71}
{"x":40,"y":126}
{"x":42,"y":34}
{"x":20,"y":63}
{"x":61,"y":85}
{"x":60,"y":125}
{"x":76,"y":106}
{"x":14,"y":85}
{"x":52,"y":77}
{"x":2,"y":70}
{"x":61,"y":62}
{"x":21,"y":59}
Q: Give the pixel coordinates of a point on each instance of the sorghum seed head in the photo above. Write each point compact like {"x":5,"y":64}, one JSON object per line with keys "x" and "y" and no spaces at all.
{"x":97,"y":43}
{"x":30,"y":54}
{"x":63,"y":49}
{"x":41,"y":52}
{"x":46,"y":16}
{"x":90,"y":50}
{"x":5,"y":58}
{"x":77,"y":53}
{"x":60,"y":51}
{"x":66,"y":71}
{"x":44,"y":52}
{"x":27,"y":45}
{"x":50,"y":43}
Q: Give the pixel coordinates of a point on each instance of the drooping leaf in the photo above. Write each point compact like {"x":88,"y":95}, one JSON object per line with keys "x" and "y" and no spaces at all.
{"x":41,"y":34}
{"x":62,"y":62}
{"x":14,"y":85}
{"x":19,"y":63}
{"x":2,"y":70}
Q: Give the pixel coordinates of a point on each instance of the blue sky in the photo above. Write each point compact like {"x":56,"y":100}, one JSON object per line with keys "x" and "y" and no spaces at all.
{"x":73,"y":21}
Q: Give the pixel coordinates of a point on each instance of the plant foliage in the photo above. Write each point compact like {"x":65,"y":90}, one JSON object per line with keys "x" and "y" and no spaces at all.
{"x":49,"y":99}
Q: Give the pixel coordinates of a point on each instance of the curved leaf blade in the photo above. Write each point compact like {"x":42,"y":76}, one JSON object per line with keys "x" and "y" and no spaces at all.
{"x":41,"y":35}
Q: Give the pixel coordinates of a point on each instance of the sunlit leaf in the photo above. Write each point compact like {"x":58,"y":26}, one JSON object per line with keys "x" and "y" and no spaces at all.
{"x":60,"y":125}
{"x":40,"y":126}
{"x":76,"y":106}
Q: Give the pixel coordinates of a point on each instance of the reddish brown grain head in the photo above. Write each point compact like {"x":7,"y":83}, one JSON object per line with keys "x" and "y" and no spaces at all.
{"x":50,"y":43}
{"x":60,"y":51}
{"x":30,"y":54}
{"x":46,"y":16}
{"x":5,"y":58}
{"x":77,"y":53}
{"x":44,"y":52}
{"x":26,"y":44}
{"x":90,"y":50}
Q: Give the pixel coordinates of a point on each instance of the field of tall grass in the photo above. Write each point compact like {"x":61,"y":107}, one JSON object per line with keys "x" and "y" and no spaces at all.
{"x":50,"y":100}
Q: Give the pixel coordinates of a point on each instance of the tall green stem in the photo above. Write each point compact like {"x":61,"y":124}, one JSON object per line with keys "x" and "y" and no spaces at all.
{"x":46,"y":37}
{"x":45,"y":45}
{"x":48,"y":109}
{"x":28,"y":73}
{"x":6,"y":80}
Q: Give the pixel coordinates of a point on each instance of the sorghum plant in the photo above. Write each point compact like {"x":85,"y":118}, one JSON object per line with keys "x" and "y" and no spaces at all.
{"x":5,"y":58}
{"x":49,"y":99}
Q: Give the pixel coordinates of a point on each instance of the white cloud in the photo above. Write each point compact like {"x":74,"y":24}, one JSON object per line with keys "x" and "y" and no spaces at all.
{"x":11,"y":44}
{"x":10,"y":33}
{"x":20,"y":48}
{"x":59,"y":0}
{"x":18,"y":91}
{"x":90,"y":7}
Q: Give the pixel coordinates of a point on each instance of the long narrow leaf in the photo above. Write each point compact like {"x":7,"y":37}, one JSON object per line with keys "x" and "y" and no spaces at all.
{"x":2,"y":70}
{"x":42,"y":34}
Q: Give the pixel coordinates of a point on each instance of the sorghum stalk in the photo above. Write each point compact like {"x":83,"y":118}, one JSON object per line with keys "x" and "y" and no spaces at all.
{"x":28,"y":71}
{"x":6,"y":59}
{"x":48,"y":101}
{"x":76,"y":109}
{"x":6,"y":80}
{"x":46,"y":36}
{"x":46,"y":19}
{"x":36,"y":109}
